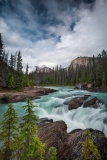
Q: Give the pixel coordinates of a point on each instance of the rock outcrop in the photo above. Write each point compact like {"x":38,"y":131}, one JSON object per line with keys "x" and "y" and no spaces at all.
{"x":75,"y":102}
{"x":79,"y":61}
{"x":68,"y":145}
{"x":90,"y":87}
{"x":78,"y":101}
{"x":86,"y":86}
{"x":94,"y":102}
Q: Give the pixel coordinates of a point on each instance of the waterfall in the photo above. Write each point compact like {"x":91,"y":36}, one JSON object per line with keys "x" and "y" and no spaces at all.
{"x":52,"y":106}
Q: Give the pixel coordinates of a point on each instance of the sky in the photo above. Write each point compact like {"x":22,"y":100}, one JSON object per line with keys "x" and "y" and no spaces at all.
{"x":51,"y":32}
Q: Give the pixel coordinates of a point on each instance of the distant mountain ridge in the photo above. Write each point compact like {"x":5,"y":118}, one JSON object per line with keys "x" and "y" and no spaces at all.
{"x":79,"y":61}
{"x":43,"y":69}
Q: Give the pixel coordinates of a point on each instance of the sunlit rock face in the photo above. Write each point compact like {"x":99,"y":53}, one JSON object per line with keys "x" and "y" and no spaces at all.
{"x":79,"y":61}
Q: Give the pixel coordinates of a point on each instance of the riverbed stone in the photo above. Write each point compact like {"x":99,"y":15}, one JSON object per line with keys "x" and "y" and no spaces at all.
{"x":76,"y":102}
{"x":94,"y":102}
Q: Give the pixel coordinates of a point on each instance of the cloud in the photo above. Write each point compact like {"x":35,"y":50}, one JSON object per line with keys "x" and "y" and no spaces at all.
{"x":53,"y":32}
{"x":89,"y":36}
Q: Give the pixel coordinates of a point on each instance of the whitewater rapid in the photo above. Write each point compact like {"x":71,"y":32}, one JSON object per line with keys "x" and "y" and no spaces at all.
{"x":52,"y":106}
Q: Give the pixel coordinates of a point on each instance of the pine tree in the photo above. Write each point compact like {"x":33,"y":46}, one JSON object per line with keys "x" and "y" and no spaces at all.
{"x":25,"y":78}
{"x":27,"y":145}
{"x":10,"y":81}
{"x":19,"y":75}
{"x":19,"y":63}
{"x":89,"y":150}
{"x":11,"y":62}
{"x":5,"y":58}
{"x":8,"y":132}
{"x":103,"y":80}
{"x":1,"y":48}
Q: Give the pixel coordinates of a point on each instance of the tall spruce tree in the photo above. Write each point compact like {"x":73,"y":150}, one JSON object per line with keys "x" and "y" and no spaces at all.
{"x":19,"y":63}
{"x":89,"y":150}
{"x":8,"y":132}
{"x":11,"y":62}
{"x":19,"y":75}
{"x":25,"y":78}
{"x":1,"y":48}
{"x":27,"y":145}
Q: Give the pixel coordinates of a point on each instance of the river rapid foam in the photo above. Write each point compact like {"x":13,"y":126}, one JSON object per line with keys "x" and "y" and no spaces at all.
{"x":52,"y":106}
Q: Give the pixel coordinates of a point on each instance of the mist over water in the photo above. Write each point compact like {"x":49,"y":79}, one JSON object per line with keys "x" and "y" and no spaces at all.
{"x":52,"y":106}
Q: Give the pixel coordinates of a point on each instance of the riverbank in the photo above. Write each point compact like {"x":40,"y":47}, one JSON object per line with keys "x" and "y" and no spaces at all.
{"x":10,"y":96}
{"x":90,"y":87}
{"x":97,"y":89}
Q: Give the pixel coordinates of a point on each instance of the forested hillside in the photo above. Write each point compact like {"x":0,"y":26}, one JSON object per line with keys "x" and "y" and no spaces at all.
{"x":11,"y":73}
{"x":94,"y":72}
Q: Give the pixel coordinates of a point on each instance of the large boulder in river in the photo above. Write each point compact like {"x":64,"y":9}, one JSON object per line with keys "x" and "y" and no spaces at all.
{"x":53,"y":134}
{"x":76,"y":102}
{"x":68,"y":145}
{"x":94,"y":102}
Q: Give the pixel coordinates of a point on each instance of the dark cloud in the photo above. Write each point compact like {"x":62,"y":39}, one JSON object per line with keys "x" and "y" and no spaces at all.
{"x":50,"y":31}
{"x":31,"y":15}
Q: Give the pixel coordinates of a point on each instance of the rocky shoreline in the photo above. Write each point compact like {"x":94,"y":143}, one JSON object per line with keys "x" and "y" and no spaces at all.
{"x":90,"y":87}
{"x":97,"y":89}
{"x":28,"y":92}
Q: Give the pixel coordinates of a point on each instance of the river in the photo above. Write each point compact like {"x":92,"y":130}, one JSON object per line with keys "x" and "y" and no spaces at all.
{"x":52,"y":106}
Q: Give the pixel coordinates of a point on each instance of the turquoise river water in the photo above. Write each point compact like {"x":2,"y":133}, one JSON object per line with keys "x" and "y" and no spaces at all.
{"x":52,"y":106}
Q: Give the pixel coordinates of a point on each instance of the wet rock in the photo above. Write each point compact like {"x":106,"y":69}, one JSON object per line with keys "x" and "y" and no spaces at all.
{"x":75,"y":130}
{"x":90,"y":85}
{"x":76,"y":102}
{"x":87,"y":95}
{"x":105,"y":121}
{"x":63,"y":97}
{"x":68,"y":145}
{"x":94,"y":102}
{"x":59,"y":105}
{"x":45,"y":120}
{"x":76,"y":87}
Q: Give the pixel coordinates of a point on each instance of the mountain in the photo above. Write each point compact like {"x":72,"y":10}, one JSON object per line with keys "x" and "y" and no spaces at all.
{"x":43,"y":69}
{"x":79,"y":61}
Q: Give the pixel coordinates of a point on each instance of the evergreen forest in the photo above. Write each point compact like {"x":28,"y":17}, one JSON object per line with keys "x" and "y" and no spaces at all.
{"x":95,"y":72}
{"x":11,"y":70}
{"x":13,"y":77}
